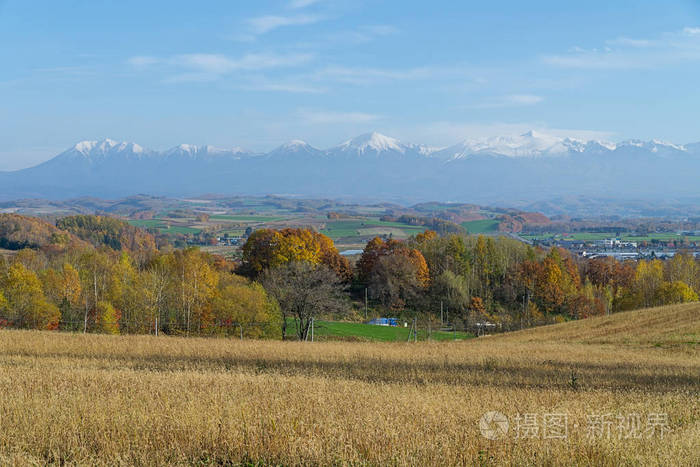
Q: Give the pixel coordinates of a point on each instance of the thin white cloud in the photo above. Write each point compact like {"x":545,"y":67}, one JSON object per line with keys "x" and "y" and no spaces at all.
{"x":323,"y":117}
{"x":295,"y":88}
{"x":220,"y":64}
{"x":365,"y":76}
{"x":362,"y":35}
{"x":264,"y":24}
{"x":208,"y":67}
{"x":302,"y":3}
{"x":630,"y":53}
{"x":511,"y":100}
{"x":142,"y":61}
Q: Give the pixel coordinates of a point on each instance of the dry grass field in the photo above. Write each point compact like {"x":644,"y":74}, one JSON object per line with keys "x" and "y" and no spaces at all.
{"x":95,"y":399}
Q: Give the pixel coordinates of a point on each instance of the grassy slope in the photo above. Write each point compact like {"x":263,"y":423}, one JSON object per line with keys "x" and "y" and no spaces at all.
{"x":667,"y":326}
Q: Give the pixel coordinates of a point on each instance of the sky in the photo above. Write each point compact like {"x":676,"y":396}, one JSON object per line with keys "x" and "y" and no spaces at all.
{"x":255,"y":74}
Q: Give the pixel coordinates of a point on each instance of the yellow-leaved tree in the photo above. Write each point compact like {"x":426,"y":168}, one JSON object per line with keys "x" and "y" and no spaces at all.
{"x":242,"y":308}
{"x":25,"y":302}
{"x":675,"y":292}
{"x":107,"y":317}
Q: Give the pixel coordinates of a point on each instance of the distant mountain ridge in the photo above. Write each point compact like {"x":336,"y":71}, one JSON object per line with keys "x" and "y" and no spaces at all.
{"x":532,"y":166}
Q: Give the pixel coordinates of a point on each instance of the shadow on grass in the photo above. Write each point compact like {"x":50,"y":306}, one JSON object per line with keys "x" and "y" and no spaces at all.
{"x":549,"y":374}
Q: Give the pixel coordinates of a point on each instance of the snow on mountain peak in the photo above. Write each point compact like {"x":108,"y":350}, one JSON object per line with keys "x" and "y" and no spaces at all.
{"x":375,"y":142}
{"x":201,"y":152}
{"x":85,"y":146}
{"x":188,"y":148}
{"x":295,"y":144}
{"x":529,"y":144}
{"x":92,"y":148}
{"x":654,"y":145}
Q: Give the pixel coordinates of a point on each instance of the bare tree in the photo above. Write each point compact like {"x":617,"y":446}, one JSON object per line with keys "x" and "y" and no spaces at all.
{"x":305,"y":291}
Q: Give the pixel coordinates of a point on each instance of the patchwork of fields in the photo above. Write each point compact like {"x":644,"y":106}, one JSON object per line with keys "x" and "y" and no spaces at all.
{"x":96,"y":399}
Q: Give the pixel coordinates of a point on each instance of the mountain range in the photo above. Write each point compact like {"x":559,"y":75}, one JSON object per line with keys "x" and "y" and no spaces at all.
{"x":508,"y":169}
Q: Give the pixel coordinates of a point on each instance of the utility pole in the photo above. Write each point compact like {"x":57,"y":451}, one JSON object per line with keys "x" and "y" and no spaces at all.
{"x":156,"y":325}
{"x":365,"y":303}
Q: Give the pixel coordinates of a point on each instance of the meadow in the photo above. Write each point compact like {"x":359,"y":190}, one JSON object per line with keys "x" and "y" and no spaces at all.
{"x":337,"y":330}
{"x":481,"y":226}
{"x":146,"y":400}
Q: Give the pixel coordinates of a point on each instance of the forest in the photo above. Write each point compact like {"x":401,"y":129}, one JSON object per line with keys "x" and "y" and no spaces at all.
{"x":99,"y":274}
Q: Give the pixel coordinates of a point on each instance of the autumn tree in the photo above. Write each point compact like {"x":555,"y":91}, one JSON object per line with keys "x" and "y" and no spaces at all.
{"x":3,"y":302}
{"x":245,"y":308}
{"x":25,"y":301}
{"x":268,"y":248}
{"x":675,"y":292}
{"x":477,"y":308}
{"x":395,"y":272}
{"x":155,"y":284}
{"x":305,"y":291}
{"x":95,"y":275}
{"x":453,"y":291}
{"x":63,"y":289}
{"x":107,"y":318}
{"x":197,"y":281}
{"x":684,"y":268}
{"x":648,"y":278}
{"x":373,"y":250}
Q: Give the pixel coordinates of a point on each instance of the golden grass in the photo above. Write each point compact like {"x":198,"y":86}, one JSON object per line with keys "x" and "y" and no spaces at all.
{"x":94,"y":399}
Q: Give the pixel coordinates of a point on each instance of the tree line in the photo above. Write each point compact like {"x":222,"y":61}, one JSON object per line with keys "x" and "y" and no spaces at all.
{"x":96,"y":275}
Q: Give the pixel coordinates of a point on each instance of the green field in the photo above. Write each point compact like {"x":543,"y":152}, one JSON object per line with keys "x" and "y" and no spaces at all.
{"x":247,"y":218}
{"x":481,"y":226}
{"x":163,"y":226}
{"x":369,"y":228}
{"x":335,"y":330}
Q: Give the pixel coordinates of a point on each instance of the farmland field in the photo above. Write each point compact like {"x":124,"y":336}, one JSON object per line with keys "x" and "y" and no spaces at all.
{"x":250,"y":218}
{"x":164,"y":226}
{"x":367,"y":228}
{"x":96,"y":399}
{"x":481,"y":226}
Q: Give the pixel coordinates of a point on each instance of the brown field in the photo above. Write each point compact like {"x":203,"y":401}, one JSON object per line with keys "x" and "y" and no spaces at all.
{"x":95,"y":399}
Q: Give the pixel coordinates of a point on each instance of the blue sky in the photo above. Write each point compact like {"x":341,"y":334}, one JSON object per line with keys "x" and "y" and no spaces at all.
{"x":256,"y":74}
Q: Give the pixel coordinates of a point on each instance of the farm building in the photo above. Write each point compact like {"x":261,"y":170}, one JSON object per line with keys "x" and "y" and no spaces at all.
{"x":384,"y":322}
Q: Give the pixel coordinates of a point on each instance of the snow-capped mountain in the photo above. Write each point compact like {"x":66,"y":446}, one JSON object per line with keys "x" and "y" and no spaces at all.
{"x":296,"y":147}
{"x":532,"y":166}
{"x":191,"y":151}
{"x":375,"y":144}
{"x":95,"y":151}
{"x":530,"y":144}
{"x":370,"y":143}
